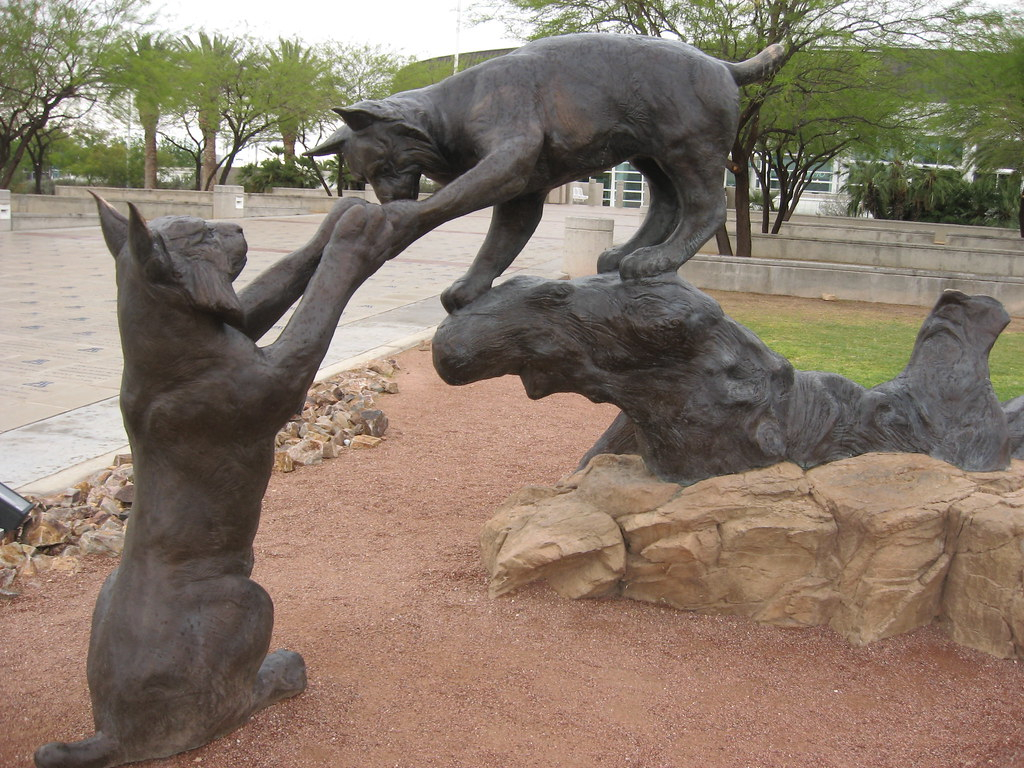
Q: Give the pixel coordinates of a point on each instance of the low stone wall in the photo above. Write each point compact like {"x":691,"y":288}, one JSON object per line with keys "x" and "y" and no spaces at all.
{"x":74,"y":206}
{"x":853,"y":282}
{"x":873,"y":546}
{"x":983,"y":256}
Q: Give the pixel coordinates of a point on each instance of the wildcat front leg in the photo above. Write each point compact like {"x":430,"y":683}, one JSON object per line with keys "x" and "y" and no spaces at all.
{"x":512,"y":225}
{"x":270,"y":295}
{"x":359,"y":246}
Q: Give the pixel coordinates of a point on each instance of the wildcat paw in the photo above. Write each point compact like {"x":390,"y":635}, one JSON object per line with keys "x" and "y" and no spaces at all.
{"x":609,"y":260}
{"x":362,"y":237}
{"x":651,"y":262}
{"x":462,"y":292}
{"x":282,"y":674}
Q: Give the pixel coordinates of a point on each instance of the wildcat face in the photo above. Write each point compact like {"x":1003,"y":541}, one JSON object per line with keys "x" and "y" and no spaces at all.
{"x":382,"y":156}
{"x":221,"y":245}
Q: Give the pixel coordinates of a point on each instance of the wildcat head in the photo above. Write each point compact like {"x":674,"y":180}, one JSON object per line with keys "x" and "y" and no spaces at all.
{"x":181,"y":258}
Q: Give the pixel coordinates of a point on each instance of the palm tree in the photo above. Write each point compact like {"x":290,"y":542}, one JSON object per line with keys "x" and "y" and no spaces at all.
{"x":210,"y":62}
{"x":302,"y":89}
{"x":147,"y":69}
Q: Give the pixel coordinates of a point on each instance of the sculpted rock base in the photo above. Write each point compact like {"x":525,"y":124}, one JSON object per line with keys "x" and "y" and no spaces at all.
{"x":874,"y":545}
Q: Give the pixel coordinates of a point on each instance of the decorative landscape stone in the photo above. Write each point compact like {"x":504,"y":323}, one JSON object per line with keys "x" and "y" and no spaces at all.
{"x":873,"y":546}
{"x":54,"y":528}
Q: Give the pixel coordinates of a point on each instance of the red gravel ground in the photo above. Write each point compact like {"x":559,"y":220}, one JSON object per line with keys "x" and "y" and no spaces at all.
{"x":372,"y":563}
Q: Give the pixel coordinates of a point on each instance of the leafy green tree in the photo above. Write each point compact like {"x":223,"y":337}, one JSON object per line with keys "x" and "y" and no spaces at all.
{"x":735,"y":30}
{"x":302,"y":88}
{"x":364,"y":71}
{"x":145,"y":72}
{"x":280,"y":171}
{"x":908,"y":192}
{"x":52,"y":66}
{"x":985,"y":88}
{"x":838,"y":100}
{"x":211,"y":65}
{"x":96,"y":157}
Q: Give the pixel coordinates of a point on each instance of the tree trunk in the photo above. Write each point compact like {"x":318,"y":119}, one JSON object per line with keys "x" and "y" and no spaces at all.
{"x":721,"y":239}
{"x":209,"y":166}
{"x":288,"y":139}
{"x":1020,"y":215}
{"x":149,"y":177}
{"x":741,"y":169}
{"x":10,"y":167}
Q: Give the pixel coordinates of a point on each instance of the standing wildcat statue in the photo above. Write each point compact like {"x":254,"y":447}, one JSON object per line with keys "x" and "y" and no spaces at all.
{"x":506,"y":132}
{"x":180,"y":633}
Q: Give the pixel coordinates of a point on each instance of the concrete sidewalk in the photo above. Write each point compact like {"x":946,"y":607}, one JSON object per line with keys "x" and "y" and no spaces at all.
{"x":61,"y":356}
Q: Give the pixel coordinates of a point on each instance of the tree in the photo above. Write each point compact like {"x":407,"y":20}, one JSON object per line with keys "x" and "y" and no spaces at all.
{"x":302,"y":89}
{"x":52,"y":63}
{"x":211,"y":67}
{"x":985,"y":88}
{"x":281,"y":171}
{"x":365,"y":71}
{"x":905,"y":191}
{"x":735,"y":30}
{"x":838,"y":100}
{"x":146,"y":69}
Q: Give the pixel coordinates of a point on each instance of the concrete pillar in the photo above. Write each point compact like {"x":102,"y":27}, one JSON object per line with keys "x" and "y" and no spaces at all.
{"x":228,"y":201}
{"x":586,"y":237}
{"x":6,"y":220}
{"x":620,"y":194}
{"x":595,"y":192}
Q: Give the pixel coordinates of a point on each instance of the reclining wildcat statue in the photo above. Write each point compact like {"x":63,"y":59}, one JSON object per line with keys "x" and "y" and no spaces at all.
{"x":702,"y":396}
{"x":506,"y":132}
{"x":180,"y":633}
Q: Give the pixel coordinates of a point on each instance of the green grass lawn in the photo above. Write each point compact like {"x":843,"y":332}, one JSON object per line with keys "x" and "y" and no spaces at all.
{"x":869,"y":343}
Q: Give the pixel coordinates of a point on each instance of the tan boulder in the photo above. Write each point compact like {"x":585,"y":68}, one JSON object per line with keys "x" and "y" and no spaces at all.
{"x":620,"y":485}
{"x":984,"y":596}
{"x":873,"y":545}
{"x":575,"y":547}
{"x":755,"y":544}
{"x":892,"y":513}
{"x":44,"y":529}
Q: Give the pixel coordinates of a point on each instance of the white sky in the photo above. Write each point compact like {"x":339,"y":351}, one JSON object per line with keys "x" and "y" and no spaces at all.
{"x":418,"y":28}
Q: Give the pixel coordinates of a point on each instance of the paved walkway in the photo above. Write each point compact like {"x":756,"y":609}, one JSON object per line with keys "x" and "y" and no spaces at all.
{"x":60,"y":357}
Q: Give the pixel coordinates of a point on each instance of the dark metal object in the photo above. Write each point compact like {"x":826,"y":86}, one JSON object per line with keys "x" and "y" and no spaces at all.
{"x":180,"y":634}
{"x":702,"y":396}
{"x":509,"y":130}
{"x":14,"y":508}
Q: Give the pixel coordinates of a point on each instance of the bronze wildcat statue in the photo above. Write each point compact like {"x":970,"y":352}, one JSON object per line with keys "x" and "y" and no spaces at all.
{"x":508,"y":131}
{"x":180,"y":633}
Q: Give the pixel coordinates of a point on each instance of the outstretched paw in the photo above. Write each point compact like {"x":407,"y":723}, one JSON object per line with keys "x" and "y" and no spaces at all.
{"x":609,"y":260}
{"x":651,"y":262}
{"x":462,"y":292}
{"x":364,"y":237}
{"x":404,"y":217}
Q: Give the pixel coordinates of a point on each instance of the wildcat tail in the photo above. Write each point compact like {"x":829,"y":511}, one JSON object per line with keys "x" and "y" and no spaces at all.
{"x":758,"y":68}
{"x":99,"y":751}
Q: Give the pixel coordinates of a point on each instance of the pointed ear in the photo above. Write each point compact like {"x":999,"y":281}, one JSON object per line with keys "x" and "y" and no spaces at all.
{"x":335,"y":145}
{"x":113,"y":224}
{"x":140,"y":239}
{"x":366,"y":113}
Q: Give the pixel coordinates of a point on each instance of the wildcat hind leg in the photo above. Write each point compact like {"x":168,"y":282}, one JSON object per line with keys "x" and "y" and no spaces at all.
{"x":699,"y":187}
{"x":661,"y":220}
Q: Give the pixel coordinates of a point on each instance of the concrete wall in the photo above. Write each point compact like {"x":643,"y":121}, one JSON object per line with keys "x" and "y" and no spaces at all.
{"x":855,"y":282}
{"x":74,"y":206}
